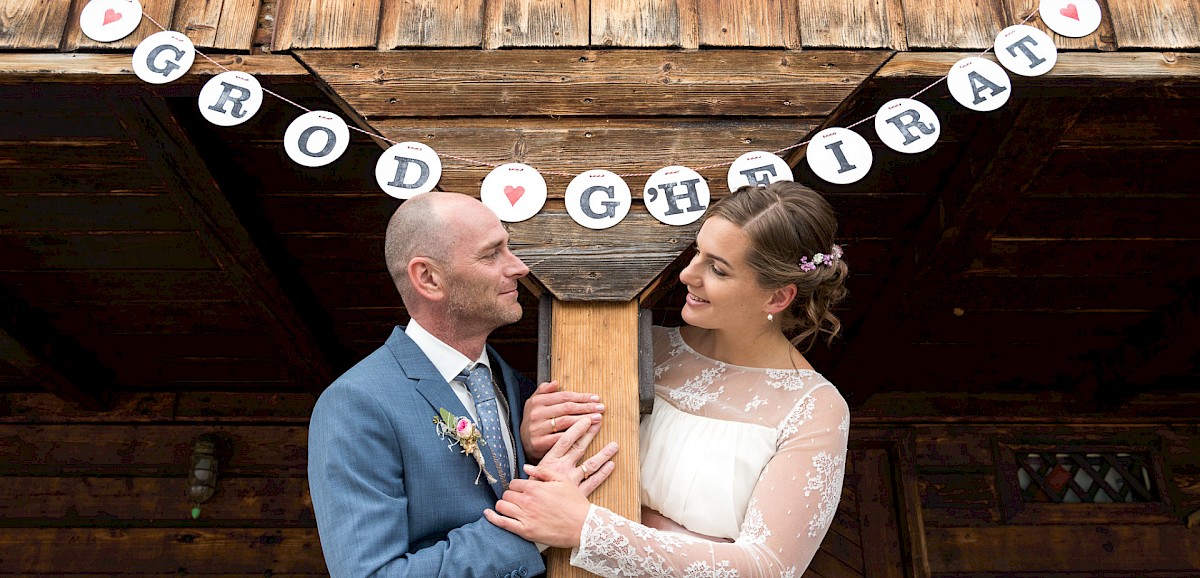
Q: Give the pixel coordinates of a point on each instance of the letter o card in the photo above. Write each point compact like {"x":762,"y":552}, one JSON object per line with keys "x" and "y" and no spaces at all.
{"x":598,"y":199}
{"x":408,"y":169}
{"x":676,"y":195}
{"x":839,"y":155}
{"x":757,"y":168}
{"x":514,"y":192}
{"x":979,"y":84}
{"x":230,"y":98}
{"x":316,"y":138}
{"x":1074,"y":18}
{"x":110,"y":20}
{"x":1025,"y":50}
{"x":163,"y":57}
{"x":906,"y":125}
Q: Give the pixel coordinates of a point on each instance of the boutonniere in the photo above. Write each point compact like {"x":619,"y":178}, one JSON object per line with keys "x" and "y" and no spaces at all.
{"x":462,"y":433}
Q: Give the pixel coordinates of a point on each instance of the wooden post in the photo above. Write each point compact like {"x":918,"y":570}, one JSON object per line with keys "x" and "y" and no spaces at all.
{"x":594,"y":348}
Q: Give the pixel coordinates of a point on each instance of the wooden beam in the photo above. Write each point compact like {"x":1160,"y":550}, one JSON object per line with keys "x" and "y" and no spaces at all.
{"x":959,"y":231}
{"x":541,"y":83}
{"x":115,"y":69}
{"x":1101,"y":70}
{"x":52,"y":361}
{"x":195,"y":551}
{"x":1050,"y":549}
{"x":1171,"y":333}
{"x":40,"y":372}
{"x":594,"y":348}
{"x":175,"y":158}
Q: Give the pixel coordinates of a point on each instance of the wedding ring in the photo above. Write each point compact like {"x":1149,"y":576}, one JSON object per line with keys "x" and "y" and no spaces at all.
{"x":553,"y":426}
{"x":583,"y":467}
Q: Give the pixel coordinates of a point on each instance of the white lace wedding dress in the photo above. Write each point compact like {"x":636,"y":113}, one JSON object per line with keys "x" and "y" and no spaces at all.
{"x":754,"y":455}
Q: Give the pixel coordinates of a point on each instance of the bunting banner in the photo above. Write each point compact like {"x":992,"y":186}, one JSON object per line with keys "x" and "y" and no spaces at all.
{"x":598,"y":198}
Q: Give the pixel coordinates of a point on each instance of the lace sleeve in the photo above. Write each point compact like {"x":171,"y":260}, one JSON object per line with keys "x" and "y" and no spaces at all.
{"x":789,"y":512}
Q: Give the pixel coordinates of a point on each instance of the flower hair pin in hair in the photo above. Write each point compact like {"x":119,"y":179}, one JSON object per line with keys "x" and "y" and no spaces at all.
{"x":834,"y":255}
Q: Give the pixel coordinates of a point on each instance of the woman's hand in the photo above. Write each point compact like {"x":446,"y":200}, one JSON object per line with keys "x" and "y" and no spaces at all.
{"x":550,"y":412}
{"x":551,"y":507}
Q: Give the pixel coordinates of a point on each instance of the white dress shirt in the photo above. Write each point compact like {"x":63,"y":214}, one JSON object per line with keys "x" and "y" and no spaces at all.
{"x":450,"y":363}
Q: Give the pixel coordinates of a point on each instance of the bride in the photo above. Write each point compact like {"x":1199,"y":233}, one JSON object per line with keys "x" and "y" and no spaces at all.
{"x":743,"y":456}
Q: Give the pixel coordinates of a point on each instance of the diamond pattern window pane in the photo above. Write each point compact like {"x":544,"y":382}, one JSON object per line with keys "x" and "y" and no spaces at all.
{"x":1085,"y":478}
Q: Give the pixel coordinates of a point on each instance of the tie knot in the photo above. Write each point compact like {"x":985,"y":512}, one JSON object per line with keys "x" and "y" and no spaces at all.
{"x":479,"y":383}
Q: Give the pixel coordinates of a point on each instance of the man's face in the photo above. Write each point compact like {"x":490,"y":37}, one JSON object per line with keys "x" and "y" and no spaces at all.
{"x":482,"y":274}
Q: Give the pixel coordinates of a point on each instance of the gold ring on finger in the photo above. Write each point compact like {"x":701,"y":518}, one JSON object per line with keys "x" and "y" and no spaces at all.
{"x":553,"y":426}
{"x":585,"y":470}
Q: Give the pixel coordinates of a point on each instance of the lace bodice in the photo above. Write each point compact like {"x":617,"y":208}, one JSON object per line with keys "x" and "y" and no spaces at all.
{"x":754,"y":455}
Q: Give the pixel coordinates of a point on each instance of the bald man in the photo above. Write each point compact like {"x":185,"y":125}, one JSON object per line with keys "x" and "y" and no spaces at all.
{"x":394,"y":495}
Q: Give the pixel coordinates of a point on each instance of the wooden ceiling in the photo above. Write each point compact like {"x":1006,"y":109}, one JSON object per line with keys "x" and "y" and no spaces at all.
{"x":1041,"y":252}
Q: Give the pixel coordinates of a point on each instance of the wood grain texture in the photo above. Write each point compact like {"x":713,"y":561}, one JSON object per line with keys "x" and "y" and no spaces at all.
{"x":33,"y":24}
{"x":530,"y":23}
{"x":758,"y":23}
{"x":160,"y":11}
{"x":326,"y":24}
{"x":1162,"y":24}
{"x":1082,"y":548}
{"x":645,"y":23}
{"x":1110,"y":69}
{"x":585,"y":82}
{"x":610,"y":265}
{"x":945,"y":24}
{"x":115,"y":69}
{"x":86,"y":501}
{"x":198,"y":550}
{"x":852,"y":24}
{"x":1102,"y":39}
{"x":431,"y":23}
{"x":594,"y":349}
{"x":229,"y":24}
{"x":150,"y":449}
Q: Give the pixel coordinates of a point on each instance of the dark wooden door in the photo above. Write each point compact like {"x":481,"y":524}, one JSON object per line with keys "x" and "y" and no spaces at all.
{"x":866,"y":538}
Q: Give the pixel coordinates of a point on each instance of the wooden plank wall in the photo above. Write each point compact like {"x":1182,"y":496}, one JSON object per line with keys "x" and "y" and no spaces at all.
{"x":967,"y":532}
{"x":104,"y":493}
{"x":84,"y":492}
{"x":688,"y":24}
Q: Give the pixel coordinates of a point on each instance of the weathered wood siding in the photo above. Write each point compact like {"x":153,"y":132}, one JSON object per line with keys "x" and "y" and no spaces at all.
{"x":688,"y":24}
{"x":105,"y":493}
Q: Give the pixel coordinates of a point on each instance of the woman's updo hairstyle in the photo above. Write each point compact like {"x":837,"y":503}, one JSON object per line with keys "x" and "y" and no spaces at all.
{"x":786,"y":221}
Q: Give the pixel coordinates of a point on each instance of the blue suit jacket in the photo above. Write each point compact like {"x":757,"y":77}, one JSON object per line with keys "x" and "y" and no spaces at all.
{"x":391,"y":498}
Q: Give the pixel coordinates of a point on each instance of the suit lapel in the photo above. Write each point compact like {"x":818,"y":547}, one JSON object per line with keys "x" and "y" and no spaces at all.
{"x":423,"y":375}
{"x":426,"y":379}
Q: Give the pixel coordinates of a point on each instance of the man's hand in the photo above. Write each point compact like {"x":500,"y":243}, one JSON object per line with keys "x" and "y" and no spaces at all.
{"x":550,"y":412}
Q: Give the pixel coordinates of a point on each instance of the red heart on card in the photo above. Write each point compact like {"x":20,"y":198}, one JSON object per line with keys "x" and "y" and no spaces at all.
{"x":111,"y":16}
{"x":1070,"y":11}
{"x":514,"y":194}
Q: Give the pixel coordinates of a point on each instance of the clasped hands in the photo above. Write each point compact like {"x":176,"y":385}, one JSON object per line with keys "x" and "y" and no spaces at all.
{"x":552,"y":505}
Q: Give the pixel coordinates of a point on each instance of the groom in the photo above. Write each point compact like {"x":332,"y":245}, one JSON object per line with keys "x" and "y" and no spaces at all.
{"x":395,"y":494}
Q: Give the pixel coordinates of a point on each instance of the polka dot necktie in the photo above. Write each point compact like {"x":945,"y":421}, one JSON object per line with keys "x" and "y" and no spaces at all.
{"x":479,"y":383}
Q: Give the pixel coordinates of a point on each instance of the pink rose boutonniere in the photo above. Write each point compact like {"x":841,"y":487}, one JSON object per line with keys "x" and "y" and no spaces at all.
{"x":462,"y":433}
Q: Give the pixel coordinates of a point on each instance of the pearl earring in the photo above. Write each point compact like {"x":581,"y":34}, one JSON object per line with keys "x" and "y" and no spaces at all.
{"x":770,"y":317}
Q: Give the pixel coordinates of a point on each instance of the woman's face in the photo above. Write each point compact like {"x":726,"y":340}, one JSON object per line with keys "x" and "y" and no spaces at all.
{"x":723,"y":291}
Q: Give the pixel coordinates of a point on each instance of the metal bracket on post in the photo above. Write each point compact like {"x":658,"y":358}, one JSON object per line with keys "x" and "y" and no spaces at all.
{"x":645,"y":361}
